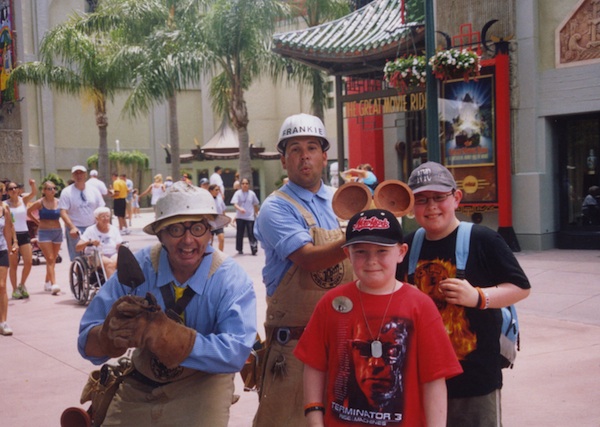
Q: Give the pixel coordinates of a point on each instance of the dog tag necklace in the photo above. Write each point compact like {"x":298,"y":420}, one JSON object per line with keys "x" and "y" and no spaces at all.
{"x":376,"y":346}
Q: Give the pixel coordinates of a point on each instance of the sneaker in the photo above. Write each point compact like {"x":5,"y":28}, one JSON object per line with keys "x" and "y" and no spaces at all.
{"x":5,"y":329}
{"x":23,"y":290}
{"x":55,"y":289}
{"x":17,"y":294}
{"x":48,"y":286}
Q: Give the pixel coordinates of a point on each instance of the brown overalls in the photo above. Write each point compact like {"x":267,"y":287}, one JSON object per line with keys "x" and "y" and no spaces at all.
{"x":288,"y":312}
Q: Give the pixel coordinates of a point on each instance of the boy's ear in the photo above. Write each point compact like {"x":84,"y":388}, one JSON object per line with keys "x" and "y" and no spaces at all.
{"x":403,"y":249}
{"x":347,"y":251}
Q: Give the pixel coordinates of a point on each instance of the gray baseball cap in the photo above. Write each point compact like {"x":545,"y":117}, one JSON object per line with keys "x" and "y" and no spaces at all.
{"x":431,"y":176}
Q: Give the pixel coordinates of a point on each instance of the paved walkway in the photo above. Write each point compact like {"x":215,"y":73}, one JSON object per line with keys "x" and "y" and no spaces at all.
{"x":555,"y":381}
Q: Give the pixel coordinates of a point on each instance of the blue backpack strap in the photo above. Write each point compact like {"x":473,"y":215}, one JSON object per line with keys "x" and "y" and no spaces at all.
{"x":463,"y":240}
{"x":415,"y":251}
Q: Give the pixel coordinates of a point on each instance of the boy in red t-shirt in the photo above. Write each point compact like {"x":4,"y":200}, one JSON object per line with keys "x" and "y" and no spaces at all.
{"x":376,"y":348}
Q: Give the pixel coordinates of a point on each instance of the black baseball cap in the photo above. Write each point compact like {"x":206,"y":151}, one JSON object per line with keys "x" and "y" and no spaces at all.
{"x":376,"y":226}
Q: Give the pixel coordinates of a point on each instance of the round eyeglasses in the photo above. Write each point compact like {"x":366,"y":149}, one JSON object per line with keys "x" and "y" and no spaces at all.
{"x":197,"y":229}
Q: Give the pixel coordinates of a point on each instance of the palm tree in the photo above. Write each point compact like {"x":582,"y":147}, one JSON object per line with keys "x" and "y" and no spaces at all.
{"x":78,"y":64}
{"x":158,"y":40}
{"x":237,"y":35}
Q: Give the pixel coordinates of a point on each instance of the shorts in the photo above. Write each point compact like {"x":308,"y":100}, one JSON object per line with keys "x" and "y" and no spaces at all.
{"x":50,"y":235}
{"x":477,"y":411}
{"x":23,"y":238}
{"x":217,"y":231}
{"x":119,"y":207}
{"x":4,"y":258}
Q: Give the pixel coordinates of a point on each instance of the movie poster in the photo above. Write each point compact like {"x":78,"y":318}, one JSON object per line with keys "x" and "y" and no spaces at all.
{"x":469,"y":137}
{"x":467,"y":115}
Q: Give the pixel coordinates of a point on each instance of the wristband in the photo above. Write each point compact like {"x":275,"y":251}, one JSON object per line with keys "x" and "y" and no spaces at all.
{"x":481,"y":300}
{"x":315,"y":406}
{"x":486,"y":299}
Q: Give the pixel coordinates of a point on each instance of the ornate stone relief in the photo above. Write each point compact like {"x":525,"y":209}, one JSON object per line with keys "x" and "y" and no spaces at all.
{"x":578,"y":37}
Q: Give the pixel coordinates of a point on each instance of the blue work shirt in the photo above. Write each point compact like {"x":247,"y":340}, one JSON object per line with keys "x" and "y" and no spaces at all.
{"x":282,"y":230}
{"x":223,"y":311}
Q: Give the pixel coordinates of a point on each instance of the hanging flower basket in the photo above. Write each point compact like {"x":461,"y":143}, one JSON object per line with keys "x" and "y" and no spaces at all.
{"x":455,"y":63}
{"x":406,"y":72}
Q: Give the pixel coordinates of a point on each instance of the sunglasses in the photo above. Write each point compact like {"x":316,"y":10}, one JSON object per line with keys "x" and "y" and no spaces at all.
{"x":50,"y":188}
{"x":11,"y":188}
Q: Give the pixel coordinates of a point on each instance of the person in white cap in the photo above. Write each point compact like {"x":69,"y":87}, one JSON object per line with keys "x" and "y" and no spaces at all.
{"x":77,"y":204}
{"x":303,"y":241}
{"x":95,"y":182}
{"x":199,"y":328}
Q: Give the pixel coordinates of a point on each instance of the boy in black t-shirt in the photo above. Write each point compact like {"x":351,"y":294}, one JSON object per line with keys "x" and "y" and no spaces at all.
{"x":469,"y":307}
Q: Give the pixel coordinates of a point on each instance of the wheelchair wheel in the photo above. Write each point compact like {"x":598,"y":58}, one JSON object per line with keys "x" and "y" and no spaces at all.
{"x":78,"y":280}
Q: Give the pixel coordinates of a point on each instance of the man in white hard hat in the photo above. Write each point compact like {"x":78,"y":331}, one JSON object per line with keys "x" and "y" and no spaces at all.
{"x":302,"y":240}
{"x":196,"y":333}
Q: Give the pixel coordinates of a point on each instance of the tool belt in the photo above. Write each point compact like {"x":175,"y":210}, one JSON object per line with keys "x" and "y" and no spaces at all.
{"x":101,"y":387}
{"x":138,"y":376}
{"x":252,"y":371}
{"x":283,"y":335}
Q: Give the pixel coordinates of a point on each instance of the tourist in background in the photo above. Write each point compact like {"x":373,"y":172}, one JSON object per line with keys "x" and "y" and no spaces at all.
{"x":7,"y":244}
{"x":246,"y":206}
{"x":50,"y":234}
{"x":156,"y":189}
{"x":215,"y":191}
{"x":18,"y":209}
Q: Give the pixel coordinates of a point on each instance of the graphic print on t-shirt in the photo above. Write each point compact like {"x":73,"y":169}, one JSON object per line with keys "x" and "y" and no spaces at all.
{"x":370,"y":390}
{"x":428,"y":276}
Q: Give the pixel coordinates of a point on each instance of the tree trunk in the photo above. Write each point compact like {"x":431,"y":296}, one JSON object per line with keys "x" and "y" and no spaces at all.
{"x":102,"y":123}
{"x":174,"y":138}
{"x":239,"y":114}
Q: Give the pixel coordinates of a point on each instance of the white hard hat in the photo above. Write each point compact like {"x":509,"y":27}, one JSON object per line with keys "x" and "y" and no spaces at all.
{"x":302,"y":125}
{"x":185,"y":202}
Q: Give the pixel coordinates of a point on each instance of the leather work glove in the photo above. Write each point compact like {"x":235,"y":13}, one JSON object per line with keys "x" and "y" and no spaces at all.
{"x":142,"y":323}
{"x":106,"y":336}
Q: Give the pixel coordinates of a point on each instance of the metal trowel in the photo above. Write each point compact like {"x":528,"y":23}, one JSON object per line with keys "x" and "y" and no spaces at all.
{"x":129,"y":272}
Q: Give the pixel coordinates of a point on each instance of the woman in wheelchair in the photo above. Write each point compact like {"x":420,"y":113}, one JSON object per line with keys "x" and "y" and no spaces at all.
{"x":105,"y":237}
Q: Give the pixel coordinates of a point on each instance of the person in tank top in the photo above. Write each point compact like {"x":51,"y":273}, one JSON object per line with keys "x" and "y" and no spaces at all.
{"x":17,"y":202}
{"x":50,"y":235}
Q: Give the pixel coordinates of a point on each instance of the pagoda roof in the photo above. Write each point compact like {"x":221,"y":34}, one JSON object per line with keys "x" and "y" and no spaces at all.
{"x":224,"y":145}
{"x":358,"y":44}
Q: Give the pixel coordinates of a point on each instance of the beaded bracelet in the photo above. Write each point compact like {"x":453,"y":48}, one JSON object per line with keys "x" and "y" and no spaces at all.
{"x":315,"y":406}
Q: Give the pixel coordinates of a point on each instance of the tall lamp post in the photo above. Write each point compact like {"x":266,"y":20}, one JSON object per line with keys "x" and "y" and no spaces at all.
{"x":432,"y":120}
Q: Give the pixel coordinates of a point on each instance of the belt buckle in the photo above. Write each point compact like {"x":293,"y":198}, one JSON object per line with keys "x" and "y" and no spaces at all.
{"x":283,"y":335}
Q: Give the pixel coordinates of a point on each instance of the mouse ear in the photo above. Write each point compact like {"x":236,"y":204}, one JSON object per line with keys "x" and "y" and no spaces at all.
{"x":129,"y":271}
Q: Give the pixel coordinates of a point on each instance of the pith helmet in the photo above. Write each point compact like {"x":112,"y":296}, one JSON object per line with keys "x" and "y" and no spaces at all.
{"x":185,"y":202}
{"x":302,"y":125}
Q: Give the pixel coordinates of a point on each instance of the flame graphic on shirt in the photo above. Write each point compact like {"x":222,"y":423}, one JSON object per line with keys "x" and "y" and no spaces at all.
{"x":428,"y":276}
